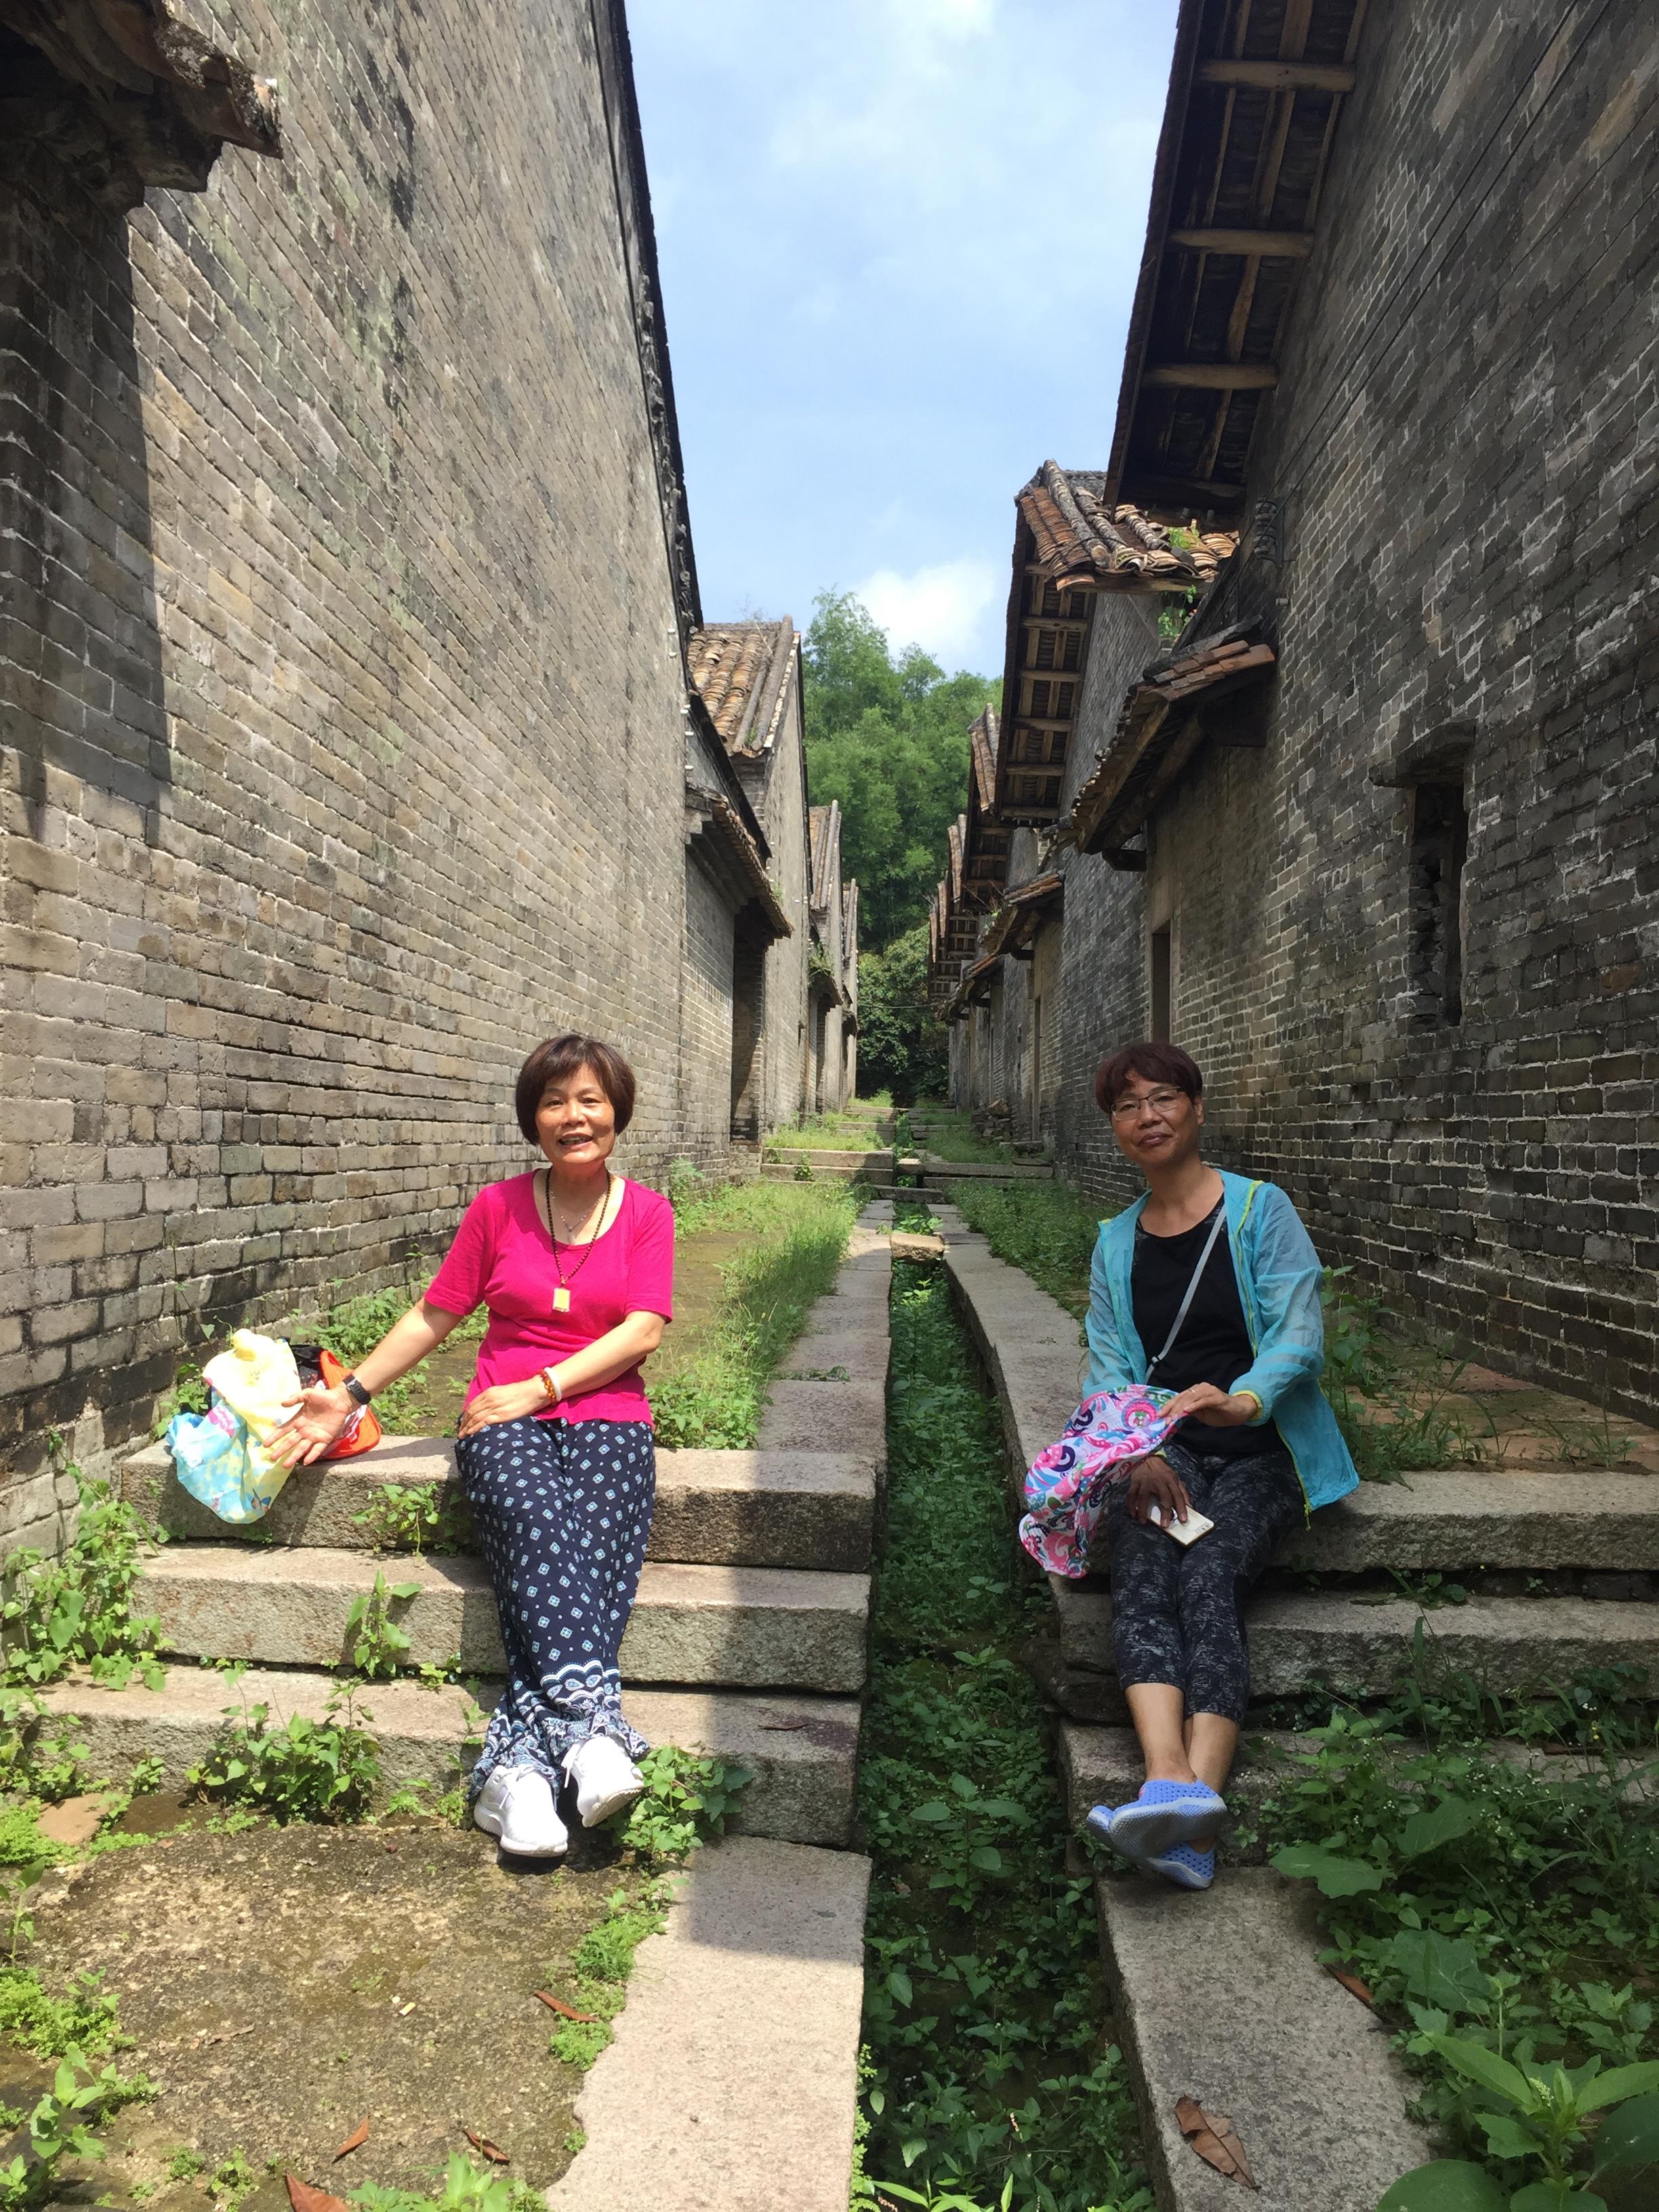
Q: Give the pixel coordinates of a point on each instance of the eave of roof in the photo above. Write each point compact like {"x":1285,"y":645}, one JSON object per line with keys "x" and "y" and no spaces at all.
{"x":163,"y":100}
{"x":719,"y":821}
{"x":1022,"y":912}
{"x":1254,"y":104}
{"x":976,"y":983}
{"x":1158,"y":730}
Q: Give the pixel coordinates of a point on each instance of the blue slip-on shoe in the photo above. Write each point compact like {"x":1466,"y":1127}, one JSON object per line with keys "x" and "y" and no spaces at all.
{"x":1097,"y":1820}
{"x":1186,"y":1868}
{"x":1164,"y":1814}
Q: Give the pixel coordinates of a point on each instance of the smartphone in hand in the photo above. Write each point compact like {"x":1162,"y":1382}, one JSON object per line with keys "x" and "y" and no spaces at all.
{"x":1185,"y":1532}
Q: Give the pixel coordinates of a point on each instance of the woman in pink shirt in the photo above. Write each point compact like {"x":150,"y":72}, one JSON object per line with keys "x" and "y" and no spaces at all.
{"x":576,"y":1266}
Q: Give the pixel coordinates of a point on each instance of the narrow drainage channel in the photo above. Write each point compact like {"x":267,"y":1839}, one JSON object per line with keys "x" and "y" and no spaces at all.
{"x":989,"y":2063}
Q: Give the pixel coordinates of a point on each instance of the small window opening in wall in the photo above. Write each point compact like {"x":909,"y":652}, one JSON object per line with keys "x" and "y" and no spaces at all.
{"x":1158,"y":985}
{"x":1440,"y":845}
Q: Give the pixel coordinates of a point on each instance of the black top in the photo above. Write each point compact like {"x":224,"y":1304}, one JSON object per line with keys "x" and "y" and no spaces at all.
{"x":1213,"y":1346}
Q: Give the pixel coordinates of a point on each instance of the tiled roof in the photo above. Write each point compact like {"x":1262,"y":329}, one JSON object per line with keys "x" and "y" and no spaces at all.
{"x":983,"y":740}
{"x":1080,"y":540}
{"x":824,"y":845}
{"x":742,"y":671}
{"x":1157,"y":733}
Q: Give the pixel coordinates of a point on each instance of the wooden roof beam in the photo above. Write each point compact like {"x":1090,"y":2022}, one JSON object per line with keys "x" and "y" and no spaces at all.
{"x":1278,"y":76}
{"x":1213,"y":375}
{"x":1259,"y":244}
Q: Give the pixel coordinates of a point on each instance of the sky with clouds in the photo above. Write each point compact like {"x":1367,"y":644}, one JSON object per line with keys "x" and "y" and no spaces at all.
{"x":898,"y":241}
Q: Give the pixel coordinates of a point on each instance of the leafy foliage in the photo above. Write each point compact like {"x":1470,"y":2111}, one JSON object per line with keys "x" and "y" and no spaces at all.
{"x":467,"y":2187}
{"x":888,"y":737}
{"x":711,"y":1396}
{"x":76,"y":1609}
{"x":377,"y":1644}
{"x":989,"y":2072}
{"x":1492,"y":1909}
{"x":299,"y":1770}
{"x":685,"y":1800}
{"x":61,"y":2126}
{"x":902,"y":1043}
{"x":408,"y":1516}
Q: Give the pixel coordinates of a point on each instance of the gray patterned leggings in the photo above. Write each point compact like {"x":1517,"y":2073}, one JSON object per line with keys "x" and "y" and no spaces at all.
{"x":1178,"y":1611}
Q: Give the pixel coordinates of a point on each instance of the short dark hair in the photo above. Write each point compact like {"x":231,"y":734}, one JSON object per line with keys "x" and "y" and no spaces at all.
{"x":1156,"y":1063}
{"x":555,"y":1060}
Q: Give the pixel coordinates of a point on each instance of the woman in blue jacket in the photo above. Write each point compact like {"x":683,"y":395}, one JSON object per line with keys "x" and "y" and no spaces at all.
{"x":1207,"y":1286}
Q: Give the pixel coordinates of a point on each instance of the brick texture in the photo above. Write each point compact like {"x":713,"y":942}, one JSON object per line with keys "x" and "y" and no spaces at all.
{"x":1463,"y":444}
{"x":341,"y":698}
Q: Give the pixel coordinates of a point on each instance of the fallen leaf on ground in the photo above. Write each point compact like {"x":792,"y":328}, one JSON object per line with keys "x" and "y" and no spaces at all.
{"x":1211,"y":2135}
{"x":565,"y":2011}
{"x":390,"y":1845}
{"x":75,"y":1821}
{"x":1353,"y":1982}
{"x":354,"y":2140}
{"x":225,"y":2035}
{"x":493,"y":2152}
{"x":781,"y":1725}
{"x":304,"y":2198}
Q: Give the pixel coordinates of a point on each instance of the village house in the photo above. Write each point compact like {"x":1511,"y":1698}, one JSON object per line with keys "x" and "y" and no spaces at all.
{"x":349,"y":746}
{"x":1370,"y":829}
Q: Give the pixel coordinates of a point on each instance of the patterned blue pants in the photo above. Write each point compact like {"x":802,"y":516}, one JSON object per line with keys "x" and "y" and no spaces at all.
{"x":563,"y":1509}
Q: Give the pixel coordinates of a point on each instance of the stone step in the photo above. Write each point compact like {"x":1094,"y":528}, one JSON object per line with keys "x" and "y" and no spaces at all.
{"x":1220,"y":1996}
{"x":1332,"y":1641}
{"x":943,"y":1170}
{"x":716,"y":1628}
{"x":776,"y":1509}
{"x":802,"y":1750}
{"x":753,"y":1994}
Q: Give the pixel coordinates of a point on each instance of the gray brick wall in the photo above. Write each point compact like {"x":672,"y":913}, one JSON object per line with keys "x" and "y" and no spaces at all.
{"x":1463,"y":446}
{"x":340,"y":697}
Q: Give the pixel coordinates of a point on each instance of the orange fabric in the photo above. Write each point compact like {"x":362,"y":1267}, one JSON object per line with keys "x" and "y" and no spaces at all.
{"x":364,"y":1433}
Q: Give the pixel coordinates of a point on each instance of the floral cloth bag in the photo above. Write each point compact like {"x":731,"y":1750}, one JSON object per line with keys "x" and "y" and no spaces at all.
{"x":1067,"y":1485}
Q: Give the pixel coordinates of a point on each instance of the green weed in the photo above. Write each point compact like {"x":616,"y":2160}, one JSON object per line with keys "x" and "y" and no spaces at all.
{"x":1046,"y":1228}
{"x":376,"y":1644}
{"x":1492,"y":1910}
{"x":600,"y":1967}
{"x":988,"y":2065}
{"x":686,"y":1798}
{"x":467,"y":2187}
{"x":409,"y":1517}
{"x":60,"y":2126}
{"x":301,"y":1769}
{"x":76,"y":1609}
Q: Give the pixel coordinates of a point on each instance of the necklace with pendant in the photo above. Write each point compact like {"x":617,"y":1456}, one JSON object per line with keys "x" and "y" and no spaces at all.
{"x":562,"y":1292}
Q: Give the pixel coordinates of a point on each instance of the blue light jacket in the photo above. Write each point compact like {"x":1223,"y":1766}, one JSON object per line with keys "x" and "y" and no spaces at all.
{"x":1279,"y":1281}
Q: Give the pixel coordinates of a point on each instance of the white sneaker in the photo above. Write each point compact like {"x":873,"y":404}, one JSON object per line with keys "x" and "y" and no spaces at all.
{"x":516,"y":1804}
{"x":607,"y":1778}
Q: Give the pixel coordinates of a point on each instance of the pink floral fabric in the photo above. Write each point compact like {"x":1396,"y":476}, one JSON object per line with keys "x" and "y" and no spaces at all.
{"x":1067,"y":1485}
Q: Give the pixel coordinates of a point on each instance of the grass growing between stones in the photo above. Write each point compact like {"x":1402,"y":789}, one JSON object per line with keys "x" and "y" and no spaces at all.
{"x":751,"y":1258}
{"x":989,"y":2065}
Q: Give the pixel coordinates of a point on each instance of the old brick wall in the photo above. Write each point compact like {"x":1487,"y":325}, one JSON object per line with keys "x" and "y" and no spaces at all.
{"x":1463,"y":448}
{"x":341,"y":699}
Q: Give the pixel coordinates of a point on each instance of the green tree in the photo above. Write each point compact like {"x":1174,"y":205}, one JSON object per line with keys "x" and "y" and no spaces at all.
{"x":889,"y":738}
{"x":902,"y":1047}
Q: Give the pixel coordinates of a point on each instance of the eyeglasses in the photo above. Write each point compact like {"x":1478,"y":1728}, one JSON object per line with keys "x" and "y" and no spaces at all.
{"x":1160,"y":1104}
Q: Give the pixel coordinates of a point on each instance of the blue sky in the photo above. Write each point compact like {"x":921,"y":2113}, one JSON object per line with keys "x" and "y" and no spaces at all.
{"x":898,"y":240}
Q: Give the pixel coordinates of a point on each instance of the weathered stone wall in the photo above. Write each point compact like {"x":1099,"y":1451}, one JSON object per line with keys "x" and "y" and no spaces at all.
{"x":343,"y":705}
{"x":1463,"y":448}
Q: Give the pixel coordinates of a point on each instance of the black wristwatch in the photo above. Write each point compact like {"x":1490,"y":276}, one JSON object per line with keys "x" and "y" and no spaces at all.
{"x":354,"y":1389}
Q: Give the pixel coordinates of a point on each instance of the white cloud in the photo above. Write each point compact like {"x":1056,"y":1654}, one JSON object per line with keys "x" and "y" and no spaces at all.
{"x":943,"y":609}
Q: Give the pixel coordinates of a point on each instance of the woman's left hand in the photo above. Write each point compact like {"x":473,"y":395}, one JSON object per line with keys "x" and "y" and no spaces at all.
{"x":1215,"y":1408}
{"x":505,"y":1401}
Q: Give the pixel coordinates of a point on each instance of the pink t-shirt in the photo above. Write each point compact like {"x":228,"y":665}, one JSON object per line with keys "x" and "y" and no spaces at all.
{"x":503,"y":1256}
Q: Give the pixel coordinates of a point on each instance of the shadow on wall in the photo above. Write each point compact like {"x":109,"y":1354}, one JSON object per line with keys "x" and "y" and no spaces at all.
{"x":82,"y":717}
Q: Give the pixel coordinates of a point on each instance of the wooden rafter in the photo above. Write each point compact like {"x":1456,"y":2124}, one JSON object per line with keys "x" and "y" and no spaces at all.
{"x":1247,"y":142}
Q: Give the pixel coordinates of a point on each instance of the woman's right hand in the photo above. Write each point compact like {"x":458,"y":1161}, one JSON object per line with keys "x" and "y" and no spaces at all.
{"x":1154,"y":1482}
{"x":307,"y":1433}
